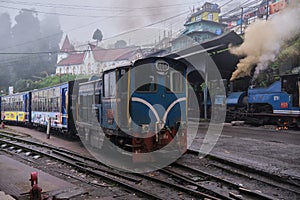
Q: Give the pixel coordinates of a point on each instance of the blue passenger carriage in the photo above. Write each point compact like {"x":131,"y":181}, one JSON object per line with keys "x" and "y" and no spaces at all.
{"x":15,"y":108}
{"x":53,"y":103}
{"x":88,"y":112}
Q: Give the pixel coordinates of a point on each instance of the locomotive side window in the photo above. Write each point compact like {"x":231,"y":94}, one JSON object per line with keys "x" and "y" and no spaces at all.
{"x":110,"y":84}
{"x":3,"y":104}
{"x":175,"y":82}
{"x":106,"y":85}
{"x":98,"y":92}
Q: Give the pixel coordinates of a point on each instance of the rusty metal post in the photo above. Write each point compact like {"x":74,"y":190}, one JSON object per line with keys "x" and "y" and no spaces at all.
{"x":36,"y":191}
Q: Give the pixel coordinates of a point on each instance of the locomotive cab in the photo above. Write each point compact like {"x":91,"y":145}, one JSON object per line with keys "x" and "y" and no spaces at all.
{"x":158,"y":104}
{"x":291,"y":85}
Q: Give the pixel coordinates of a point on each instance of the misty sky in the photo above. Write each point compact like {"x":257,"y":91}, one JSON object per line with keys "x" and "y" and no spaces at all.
{"x":79,"y":19}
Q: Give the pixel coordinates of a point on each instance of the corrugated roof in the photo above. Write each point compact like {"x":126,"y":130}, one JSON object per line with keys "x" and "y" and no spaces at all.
{"x":102,"y":55}
{"x":73,"y":59}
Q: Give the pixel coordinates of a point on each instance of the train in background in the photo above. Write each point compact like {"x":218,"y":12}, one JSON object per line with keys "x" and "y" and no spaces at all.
{"x":35,"y":107}
{"x":277,"y":104}
{"x":137,"y":113}
{"x":16,"y":108}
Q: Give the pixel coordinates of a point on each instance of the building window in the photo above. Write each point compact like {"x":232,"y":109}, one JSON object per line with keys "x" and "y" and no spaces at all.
{"x":210,"y":17}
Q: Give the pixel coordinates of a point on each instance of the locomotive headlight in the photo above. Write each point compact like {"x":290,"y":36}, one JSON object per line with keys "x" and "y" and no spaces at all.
{"x":159,"y":126}
{"x":145,"y":128}
{"x":183,"y":125}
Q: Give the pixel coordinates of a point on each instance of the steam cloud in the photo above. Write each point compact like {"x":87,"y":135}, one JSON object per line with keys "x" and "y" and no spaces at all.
{"x":263,"y":40}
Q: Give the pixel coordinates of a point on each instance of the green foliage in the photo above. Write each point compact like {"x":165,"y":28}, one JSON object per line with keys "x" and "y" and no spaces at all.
{"x":267,"y":78}
{"x":27,"y":34}
{"x":25,"y":85}
{"x":289,"y":56}
{"x":287,"y":61}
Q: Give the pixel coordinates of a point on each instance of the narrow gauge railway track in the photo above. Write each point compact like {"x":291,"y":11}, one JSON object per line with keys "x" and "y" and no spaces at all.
{"x":106,"y":174}
{"x":241,"y":178}
{"x":183,"y":180}
{"x":160,"y":189}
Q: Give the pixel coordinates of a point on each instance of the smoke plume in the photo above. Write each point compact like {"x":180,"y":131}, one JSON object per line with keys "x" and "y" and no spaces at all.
{"x":263,"y":40}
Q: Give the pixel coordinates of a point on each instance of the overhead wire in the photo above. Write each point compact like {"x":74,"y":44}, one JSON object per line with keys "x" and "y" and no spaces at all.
{"x":85,"y":7}
{"x":114,"y":36}
{"x":244,"y":5}
{"x":75,"y":28}
{"x":117,"y":35}
{"x":75,"y":15}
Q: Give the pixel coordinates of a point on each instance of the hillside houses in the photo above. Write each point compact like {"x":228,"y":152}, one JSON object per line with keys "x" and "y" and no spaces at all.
{"x":202,"y":25}
{"x":94,"y":59}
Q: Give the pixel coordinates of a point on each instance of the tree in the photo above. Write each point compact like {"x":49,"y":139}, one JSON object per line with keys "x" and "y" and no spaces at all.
{"x":98,"y":36}
{"x":120,"y":44}
{"x":5,"y":46}
{"x":5,"y":31}
{"x":26,"y":37}
{"x":26,"y":30}
{"x":51,"y":36}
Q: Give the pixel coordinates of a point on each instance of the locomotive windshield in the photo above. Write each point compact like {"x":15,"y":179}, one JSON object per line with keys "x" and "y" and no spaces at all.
{"x":149,"y":77}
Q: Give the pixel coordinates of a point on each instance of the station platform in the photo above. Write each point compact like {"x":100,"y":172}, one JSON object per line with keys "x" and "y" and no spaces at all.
{"x":15,"y":177}
{"x":4,"y":196}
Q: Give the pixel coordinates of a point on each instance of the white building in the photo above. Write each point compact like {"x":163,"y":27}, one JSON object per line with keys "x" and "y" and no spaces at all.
{"x":94,"y":59}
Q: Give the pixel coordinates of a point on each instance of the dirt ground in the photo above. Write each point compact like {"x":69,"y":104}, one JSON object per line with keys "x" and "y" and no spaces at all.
{"x":263,"y":148}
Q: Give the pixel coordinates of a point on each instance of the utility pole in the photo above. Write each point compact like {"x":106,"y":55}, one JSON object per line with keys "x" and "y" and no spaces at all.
{"x":267,"y":14}
{"x":242,"y":13}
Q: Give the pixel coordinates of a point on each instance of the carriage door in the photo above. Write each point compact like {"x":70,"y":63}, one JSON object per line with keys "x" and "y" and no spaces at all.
{"x":123,"y":96}
{"x":64,"y":109}
{"x":298,"y":91}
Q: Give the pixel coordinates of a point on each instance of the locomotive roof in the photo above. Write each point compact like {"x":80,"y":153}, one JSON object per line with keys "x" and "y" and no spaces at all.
{"x":117,"y":66}
{"x":90,"y":81}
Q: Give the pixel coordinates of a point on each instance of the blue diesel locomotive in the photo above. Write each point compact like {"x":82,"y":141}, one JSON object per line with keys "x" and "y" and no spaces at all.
{"x":140,"y":107}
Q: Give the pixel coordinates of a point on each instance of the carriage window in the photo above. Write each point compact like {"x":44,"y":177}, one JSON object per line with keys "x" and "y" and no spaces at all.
{"x":175,"y":82}
{"x":98,"y":86}
{"x":146,"y":80}
{"x":109,"y":84}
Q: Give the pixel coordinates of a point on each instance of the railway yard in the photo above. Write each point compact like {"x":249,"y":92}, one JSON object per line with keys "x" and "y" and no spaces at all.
{"x":245,"y":163}
{"x":211,"y":111}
